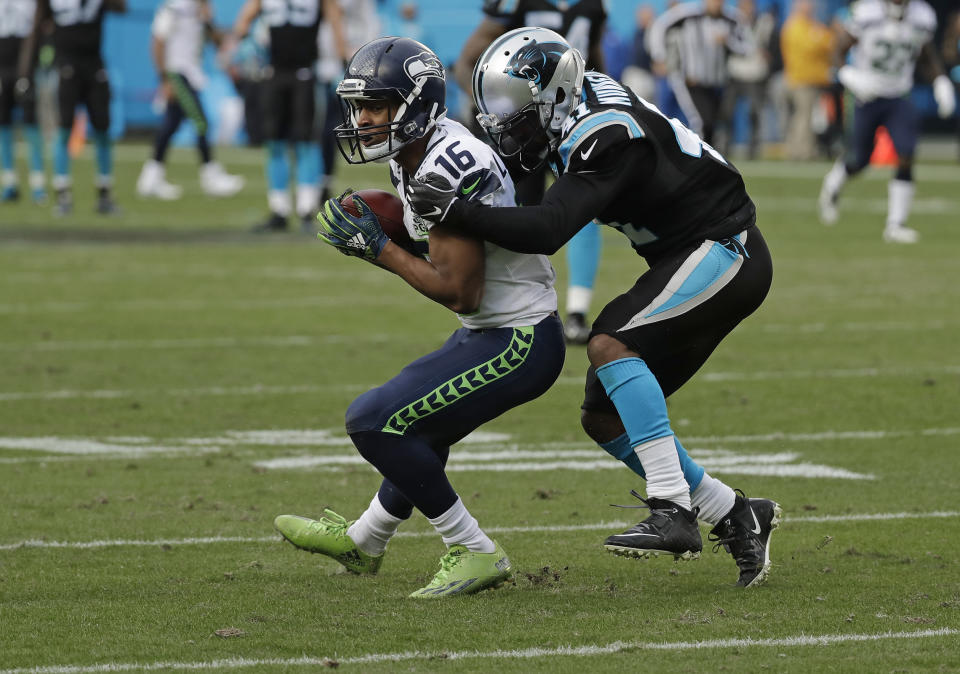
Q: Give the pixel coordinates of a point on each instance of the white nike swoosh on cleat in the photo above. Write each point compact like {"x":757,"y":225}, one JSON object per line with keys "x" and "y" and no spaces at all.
{"x":756,"y":524}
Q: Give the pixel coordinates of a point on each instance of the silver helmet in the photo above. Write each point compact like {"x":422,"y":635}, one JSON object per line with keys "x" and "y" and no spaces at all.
{"x":525,"y":85}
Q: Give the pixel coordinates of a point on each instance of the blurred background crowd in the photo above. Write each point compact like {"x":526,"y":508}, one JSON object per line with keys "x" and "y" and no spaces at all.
{"x":780,"y":100}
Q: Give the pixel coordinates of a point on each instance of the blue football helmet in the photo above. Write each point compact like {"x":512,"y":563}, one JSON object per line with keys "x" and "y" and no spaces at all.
{"x":406,"y":74}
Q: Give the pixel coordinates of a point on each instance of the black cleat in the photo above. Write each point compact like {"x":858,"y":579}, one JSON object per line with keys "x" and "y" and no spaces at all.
{"x":64,"y":203}
{"x":106,"y":205}
{"x":10,"y":193}
{"x":275,"y":223}
{"x":670,"y":530}
{"x":745,"y":533}
{"x":576,"y":330}
{"x":308,"y":225}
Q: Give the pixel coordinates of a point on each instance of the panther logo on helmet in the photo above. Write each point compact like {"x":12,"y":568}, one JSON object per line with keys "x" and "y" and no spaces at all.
{"x":536,"y":62}
{"x":424,"y":64}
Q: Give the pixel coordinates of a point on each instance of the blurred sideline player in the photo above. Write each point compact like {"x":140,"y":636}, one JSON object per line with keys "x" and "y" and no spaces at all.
{"x":361,"y":24}
{"x":685,"y":210}
{"x":509,"y":350}
{"x":289,"y":99}
{"x":179,"y":32}
{"x":16,"y":21}
{"x":582,"y":24}
{"x":890,"y":37}
{"x":77,"y":36}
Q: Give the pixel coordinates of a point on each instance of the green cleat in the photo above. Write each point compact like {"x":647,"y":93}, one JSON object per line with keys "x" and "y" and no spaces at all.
{"x":327,"y":536}
{"x":465,"y":572}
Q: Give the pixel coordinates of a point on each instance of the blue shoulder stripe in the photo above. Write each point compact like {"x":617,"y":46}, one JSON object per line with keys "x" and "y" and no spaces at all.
{"x":591,"y":123}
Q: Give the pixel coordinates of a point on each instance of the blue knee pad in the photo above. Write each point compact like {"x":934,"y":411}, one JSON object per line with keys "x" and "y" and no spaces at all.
{"x":6,"y":148}
{"x":308,"y":163}
{"x":61,"y":156}
{"x":104,"y":145}
{"x":35,"y":141}
{"x":583,"y":256}
{"x":639,"y":400}
{"x":278,"y":173}
{"x":620,"y":449}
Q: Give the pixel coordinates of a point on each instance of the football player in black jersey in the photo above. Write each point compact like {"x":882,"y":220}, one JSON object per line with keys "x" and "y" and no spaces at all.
{"x":288,"y":97}
{"x":15,"y":25}
{"x":77,"y":35}
{"x":582,"y":24}
{"x":685,"y":210}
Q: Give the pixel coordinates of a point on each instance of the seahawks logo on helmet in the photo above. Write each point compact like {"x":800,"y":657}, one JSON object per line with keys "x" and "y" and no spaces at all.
{"x":424,"y":64}
{"x":536,"y":62}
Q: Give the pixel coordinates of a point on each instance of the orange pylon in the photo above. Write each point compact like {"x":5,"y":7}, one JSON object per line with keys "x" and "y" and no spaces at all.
{"x":78,"y":134}
{"x":884,"y":154}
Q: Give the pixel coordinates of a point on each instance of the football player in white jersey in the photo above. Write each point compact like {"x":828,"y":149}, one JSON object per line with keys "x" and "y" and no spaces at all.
{"x":510,"y":349}
{"x":888,"y":38}
{"x":180,"y":30}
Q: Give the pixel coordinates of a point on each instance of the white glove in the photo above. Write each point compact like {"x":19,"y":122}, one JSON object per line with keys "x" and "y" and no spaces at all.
{"x":943,"y":93}
{"x":856,"y":83}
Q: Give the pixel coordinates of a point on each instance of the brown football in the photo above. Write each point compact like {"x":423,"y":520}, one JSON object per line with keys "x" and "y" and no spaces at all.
{"x":389,"y":211}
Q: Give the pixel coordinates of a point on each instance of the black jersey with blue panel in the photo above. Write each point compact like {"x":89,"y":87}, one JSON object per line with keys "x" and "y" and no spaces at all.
{"x":579,"y":21}
{"x":293,"y":26}
{"x":623,"y":163}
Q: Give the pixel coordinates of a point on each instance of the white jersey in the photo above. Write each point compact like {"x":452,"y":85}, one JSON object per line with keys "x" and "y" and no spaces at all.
{"x":180,"y":24}
{"x":518,"y":288}
{"x":16,"y":20}
{"x":887,"y":48}
{"x":361,"y":24}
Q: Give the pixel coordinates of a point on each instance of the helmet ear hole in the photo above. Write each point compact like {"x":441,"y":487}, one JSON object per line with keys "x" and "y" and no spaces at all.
{"x":561,"y":95}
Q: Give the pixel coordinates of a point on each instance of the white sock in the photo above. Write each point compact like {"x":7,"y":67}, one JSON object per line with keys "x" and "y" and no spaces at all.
{"x":836,"y":177}
{"x":103,"y":180}
{"x":458,"y":527}
{"x":279,"y":202}
{"x":899,"y":201}
{"x":578,"y":299}
{"x":664,"y":475}
{"x":61,"y":182}
{"x":36,"y":180}
{"x":307,"y":197}
{"x":374,"y":529}
{"x":8,"y":178}
{"x":714,"y":498}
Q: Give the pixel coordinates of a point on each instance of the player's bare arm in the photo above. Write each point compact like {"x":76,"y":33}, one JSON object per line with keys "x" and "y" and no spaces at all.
{"x":247,"y":14}
{"x":595,"y":59}
{"x":31,"y":43}
{"x":452,"y":277}
{"x":488,"y":31}
{"x":333,"y":15}
{"x":844,"y":43}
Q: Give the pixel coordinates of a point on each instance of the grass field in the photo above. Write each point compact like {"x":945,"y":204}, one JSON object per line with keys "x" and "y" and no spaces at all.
{"x":170,"y":383}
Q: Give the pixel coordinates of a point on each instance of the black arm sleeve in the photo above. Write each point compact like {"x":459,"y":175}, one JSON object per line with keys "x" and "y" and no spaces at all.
{"x":573,"y":201}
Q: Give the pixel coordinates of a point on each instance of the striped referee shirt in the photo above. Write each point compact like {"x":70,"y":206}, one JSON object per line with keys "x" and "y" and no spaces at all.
{"x":695,"y":44}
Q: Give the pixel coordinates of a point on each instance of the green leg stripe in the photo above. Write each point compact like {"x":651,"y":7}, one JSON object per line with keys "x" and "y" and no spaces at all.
{"x":462,"y":385}
{"x":188,"y":103}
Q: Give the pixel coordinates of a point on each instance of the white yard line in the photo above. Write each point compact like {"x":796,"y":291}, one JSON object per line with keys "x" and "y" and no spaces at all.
{"x":263,"y":390}
{"x":313,"y":340}
{"x":588,"y":650}
{"x":546,"y":528}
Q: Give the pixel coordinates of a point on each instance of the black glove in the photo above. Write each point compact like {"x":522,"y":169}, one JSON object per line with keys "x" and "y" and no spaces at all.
{"x":432,"y":198}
